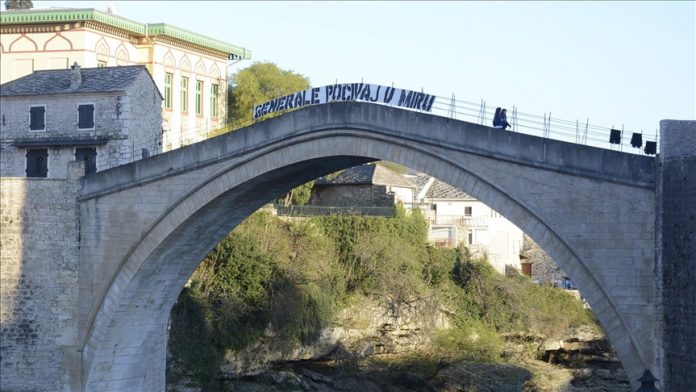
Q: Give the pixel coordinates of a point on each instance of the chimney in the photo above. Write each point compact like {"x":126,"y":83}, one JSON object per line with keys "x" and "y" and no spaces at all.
{"x":75,"y":76}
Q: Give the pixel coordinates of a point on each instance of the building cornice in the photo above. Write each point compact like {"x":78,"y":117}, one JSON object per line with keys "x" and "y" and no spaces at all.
{"x":184,"y":45}
{"x":57,"y":141}
{"x":35,"y":28}
{"x":190,"y":38}
{"x":106,"y":29}
{"x":48,"y":20}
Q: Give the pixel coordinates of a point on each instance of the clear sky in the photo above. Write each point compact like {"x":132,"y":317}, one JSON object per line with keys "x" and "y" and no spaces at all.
{"x":630,"y":63}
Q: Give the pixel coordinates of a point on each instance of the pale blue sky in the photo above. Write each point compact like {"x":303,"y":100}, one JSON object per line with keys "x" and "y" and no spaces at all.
{"x":630,"y":63}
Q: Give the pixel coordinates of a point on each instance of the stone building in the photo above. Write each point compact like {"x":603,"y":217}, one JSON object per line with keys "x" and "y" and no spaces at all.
{"x":362,"y":186}
{"x":102,"y":116}
{"x":544,"y":269}
{"x":189,"y":69}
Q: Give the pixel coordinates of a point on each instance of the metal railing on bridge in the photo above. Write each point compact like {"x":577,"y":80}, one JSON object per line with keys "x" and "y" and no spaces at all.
{"x":546,"y":126}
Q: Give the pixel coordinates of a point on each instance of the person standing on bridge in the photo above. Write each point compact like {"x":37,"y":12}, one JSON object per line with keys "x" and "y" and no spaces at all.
{"x":503,"y":119}
{"x":497,"y":123}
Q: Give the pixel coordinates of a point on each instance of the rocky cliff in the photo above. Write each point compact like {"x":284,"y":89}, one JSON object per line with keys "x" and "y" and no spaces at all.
{"x":363,"y":329}
{"x":383,"y":346}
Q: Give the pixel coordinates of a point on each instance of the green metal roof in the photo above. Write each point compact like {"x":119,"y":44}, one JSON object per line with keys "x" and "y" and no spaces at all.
{"x":185,"y":35}
{"x":58,"y":15}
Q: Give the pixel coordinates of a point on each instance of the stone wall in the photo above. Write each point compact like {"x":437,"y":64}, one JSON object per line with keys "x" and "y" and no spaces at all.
{"x":352,"y":196}
{"x":61,"y":115}
{"x":38,"y":281}
{"x":676,"y":212}
{"x":142,"y":119}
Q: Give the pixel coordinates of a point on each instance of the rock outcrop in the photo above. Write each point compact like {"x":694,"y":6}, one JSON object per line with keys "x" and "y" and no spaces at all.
{"x":363,"y":329}
{"x":370,"y":348}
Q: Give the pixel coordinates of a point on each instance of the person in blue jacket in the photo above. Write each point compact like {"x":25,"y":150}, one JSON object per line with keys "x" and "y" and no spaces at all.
{"x":496,"y":118}
{"x":503,"y":119}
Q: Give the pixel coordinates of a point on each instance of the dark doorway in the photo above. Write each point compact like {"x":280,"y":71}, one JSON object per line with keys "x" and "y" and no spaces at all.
{"x":88,"y":155}
{"x":37,"y":162}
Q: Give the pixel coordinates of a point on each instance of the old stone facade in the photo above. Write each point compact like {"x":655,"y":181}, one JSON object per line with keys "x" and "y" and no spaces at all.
{"x":120,"y":104}
{"x":38,"y":285}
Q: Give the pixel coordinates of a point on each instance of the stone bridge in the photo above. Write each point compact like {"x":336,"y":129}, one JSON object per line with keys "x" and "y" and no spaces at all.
{"x":144,"y":227}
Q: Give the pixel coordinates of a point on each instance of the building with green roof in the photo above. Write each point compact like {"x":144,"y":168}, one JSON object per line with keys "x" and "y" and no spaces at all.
{"x":188,"y":68}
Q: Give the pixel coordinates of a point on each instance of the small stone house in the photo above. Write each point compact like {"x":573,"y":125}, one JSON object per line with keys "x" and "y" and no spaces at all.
{"x":362,"y":186}
{"x":104,"y":116}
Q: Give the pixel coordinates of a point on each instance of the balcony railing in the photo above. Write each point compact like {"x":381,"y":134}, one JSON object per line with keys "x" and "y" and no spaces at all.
{"x":458,"y":220}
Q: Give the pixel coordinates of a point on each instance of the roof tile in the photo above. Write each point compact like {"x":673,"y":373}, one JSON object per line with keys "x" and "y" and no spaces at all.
{"x":367,"y":174}
{"x":57,"y":81}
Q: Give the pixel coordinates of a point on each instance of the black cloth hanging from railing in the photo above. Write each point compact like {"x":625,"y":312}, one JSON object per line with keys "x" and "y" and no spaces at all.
{"x":615,"y":136}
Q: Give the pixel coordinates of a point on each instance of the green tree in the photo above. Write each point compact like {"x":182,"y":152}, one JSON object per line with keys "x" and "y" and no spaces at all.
{"x":299,"y":196}
{"x":18,"y":4}
{"x":257,"y":84}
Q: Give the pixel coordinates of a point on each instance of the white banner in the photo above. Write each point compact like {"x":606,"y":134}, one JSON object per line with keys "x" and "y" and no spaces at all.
{"x":348,"y":92}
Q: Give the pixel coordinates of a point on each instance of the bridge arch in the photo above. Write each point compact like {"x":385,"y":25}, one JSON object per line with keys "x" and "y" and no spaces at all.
{"x":127,"y":325}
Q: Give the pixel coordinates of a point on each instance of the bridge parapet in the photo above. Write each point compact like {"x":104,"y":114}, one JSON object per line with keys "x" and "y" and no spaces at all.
{"x":377,"y":121}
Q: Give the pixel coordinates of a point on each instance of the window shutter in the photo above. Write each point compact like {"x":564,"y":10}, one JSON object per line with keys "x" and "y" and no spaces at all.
{"x":37,"y":116}
{"x":85,"y":116}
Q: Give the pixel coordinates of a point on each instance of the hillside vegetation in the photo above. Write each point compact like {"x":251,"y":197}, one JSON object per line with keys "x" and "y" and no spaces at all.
{"x":294,"y":276}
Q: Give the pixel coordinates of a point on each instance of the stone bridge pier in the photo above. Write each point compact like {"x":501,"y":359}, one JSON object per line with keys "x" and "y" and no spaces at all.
{"x":676,"y":255}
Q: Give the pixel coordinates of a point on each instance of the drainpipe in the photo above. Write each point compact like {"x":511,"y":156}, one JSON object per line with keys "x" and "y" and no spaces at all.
{"x":150,"y":50}
{"x":147,"y":37}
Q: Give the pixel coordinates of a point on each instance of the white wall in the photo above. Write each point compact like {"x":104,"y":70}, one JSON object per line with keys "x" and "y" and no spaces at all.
{"x":492,"y":233}
{"x":404,"y":195}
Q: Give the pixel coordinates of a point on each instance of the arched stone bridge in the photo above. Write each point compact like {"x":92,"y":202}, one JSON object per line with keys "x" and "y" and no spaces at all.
{"x":145,"y":226}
